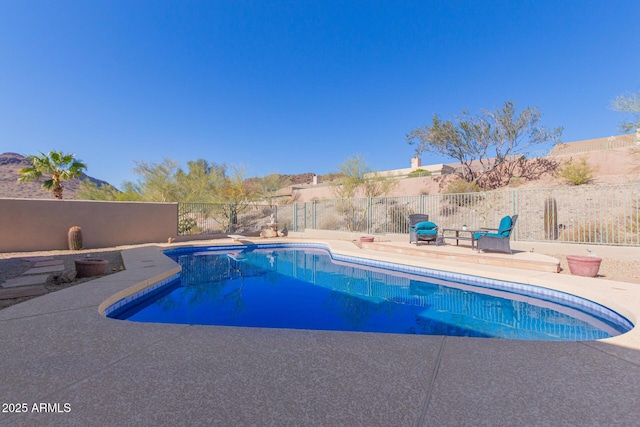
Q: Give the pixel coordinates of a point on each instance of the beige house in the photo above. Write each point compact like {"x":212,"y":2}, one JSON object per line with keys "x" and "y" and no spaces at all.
{"x":416,"y":163}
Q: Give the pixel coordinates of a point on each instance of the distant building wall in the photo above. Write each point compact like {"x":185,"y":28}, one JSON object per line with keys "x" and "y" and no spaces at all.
{"x":437,"y":169}
{"x":34,"y":225}
{"x":598,"y":144}
{"x":614,"y":161}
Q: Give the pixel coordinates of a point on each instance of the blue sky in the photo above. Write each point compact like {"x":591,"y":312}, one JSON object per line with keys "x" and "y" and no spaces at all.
{"x":298,"y":86}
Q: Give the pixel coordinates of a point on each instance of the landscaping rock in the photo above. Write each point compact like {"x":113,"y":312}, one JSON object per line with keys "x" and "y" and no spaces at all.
{"x":265,"y":234}
{"x":64,"y":277}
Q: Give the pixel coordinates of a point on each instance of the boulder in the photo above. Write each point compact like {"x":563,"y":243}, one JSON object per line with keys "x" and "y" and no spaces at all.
{"x":67,"y":276}
{"x":266,"y":234}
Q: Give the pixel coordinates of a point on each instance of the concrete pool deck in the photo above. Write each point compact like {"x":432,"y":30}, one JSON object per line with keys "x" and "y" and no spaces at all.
{"x":58,"y":349}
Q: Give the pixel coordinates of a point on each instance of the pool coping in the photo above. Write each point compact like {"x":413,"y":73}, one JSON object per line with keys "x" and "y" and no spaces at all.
{"x":125,"y":299}
{"x":114,"y":370}
{"x":621,"y":297}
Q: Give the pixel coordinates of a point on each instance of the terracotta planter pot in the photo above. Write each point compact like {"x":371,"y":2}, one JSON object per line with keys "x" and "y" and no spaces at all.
{"x":366,"y":239}
{"x":581,"y":265}
{"x":88,"y":267}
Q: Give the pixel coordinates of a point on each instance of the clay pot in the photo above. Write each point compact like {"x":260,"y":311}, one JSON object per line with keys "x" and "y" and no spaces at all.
{"x":581,"y":265}
{"x":366,"y":239}
{"x":88,"y":267}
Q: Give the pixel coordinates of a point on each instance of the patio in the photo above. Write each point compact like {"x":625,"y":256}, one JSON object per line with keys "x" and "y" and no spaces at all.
{"x":58,"y":348}
{"x":464,"y":253}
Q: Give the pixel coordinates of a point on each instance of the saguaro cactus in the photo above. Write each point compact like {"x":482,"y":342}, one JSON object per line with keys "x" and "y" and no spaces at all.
{"x":550,"y":219}
{"x":74,"y":238}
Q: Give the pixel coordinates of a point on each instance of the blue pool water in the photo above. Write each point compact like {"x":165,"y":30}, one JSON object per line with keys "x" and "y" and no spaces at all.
{"x":283,"y":286}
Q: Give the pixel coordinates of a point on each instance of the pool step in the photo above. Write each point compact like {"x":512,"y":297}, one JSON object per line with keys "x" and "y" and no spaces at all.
{"x":523,"y":260}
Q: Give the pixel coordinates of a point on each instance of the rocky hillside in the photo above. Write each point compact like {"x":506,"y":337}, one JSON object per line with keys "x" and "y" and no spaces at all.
{"x":11,"y":163}
{"x":300,"y":179}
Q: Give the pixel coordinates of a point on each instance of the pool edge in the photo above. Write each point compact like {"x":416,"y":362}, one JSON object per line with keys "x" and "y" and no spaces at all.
{"x":587,"y":288}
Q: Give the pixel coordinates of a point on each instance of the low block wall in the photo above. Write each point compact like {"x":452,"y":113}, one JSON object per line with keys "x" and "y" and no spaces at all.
{"x":37,"y":225}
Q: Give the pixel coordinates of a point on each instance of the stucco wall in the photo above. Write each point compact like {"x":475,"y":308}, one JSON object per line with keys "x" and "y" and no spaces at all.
{"x":435,"y":169}
{"x":32,"y":225}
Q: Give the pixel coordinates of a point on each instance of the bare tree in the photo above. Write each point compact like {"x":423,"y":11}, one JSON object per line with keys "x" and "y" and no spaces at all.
{"x":234,"y":198}
{"x":628,"y":103}
{"x":357,"y":180}
{"x":527,"y":169}
{"x":268,"y":186}
{"x":491,"y":142}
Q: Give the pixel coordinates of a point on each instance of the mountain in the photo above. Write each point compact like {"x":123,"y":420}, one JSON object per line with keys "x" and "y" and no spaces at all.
{"x":11,"y":163}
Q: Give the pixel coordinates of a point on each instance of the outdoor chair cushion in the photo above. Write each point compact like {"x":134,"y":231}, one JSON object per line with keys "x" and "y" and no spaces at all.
{"x":425,"y":225}
{"x":505,"y":226}
{"x":423,"y":230}
{"x":426,"y":232}
{"x":482,"y":233}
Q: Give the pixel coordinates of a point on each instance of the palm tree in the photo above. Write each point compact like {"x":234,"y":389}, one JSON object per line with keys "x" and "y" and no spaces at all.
{"x":59,"y":165}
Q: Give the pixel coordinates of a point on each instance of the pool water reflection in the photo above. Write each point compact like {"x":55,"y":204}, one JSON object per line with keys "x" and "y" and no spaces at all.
{"x":307,"y":288}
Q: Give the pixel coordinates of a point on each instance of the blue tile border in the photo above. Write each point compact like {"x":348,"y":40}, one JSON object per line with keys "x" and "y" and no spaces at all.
{"x":546,"y":294}
{"x":114,"y":309}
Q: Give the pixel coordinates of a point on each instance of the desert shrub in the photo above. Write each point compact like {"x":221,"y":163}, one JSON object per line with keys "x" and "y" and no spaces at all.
{"x":448,"y":209}
{"x":329,"y":222}
{"x":633,"y":223}
{"x":397,"y":219}
{"x":458,"y":192}
{"x":577,"y":173}
{"x":419,"y":172}
{"x":460,"y":185}
{"x":516,"y":181}
{"x":186,"y":225}
{"x":594,"y":232}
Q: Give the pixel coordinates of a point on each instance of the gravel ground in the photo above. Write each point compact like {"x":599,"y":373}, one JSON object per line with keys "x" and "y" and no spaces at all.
{"x":622,"y":270}
{"x":14,"y":265}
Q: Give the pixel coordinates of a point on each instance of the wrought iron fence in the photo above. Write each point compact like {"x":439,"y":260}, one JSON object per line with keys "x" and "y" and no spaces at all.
{"x":211,"y":218}
{"x":605,"y":214}
{"x":584,"y":214}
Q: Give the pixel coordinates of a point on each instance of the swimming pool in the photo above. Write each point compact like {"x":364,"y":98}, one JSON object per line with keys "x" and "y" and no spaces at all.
{"x":304,"y":286}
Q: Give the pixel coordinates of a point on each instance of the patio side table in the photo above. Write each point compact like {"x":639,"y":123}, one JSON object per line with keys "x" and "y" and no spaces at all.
{"x":459,"y":237}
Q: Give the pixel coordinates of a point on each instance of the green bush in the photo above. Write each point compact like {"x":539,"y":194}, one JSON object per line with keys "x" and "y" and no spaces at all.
{"x":186,"y":225}
{"x":577,"y":173}
{"x":418,"y":173}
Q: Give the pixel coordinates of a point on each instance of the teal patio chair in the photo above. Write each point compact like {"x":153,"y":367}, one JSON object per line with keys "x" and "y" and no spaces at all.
{"x":497,"y":239}
{"x":421,"y":229}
